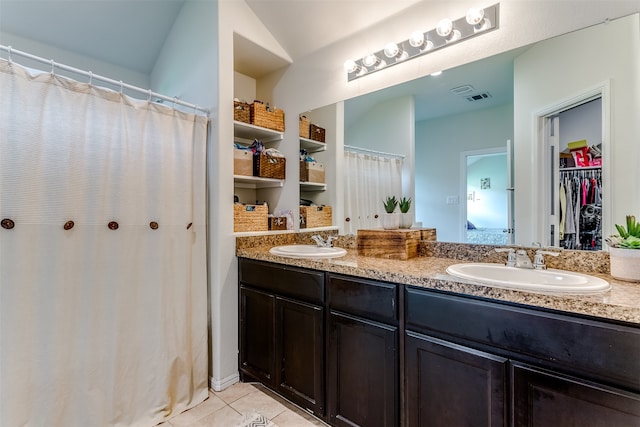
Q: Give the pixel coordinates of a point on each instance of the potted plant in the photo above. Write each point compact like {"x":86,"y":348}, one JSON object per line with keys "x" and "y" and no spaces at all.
{"x":390,"y":220}
{"x":406,"y":219}
{"x":624,"y":251}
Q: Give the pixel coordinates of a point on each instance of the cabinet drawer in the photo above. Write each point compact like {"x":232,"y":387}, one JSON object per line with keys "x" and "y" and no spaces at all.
{"x":365,"y":298}
{"x":577,"y":345}
{"x":307,"y":285}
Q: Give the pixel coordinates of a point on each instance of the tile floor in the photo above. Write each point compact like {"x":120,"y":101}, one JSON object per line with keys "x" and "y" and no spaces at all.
{"x":236,"y":404}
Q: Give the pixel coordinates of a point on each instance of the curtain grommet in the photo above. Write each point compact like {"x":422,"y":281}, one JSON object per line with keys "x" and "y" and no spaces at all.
{"x":68,"y":225}
{"x":189,"y":225}
{"x":347,"y":219}
{"x":7,"y":223}
{"x":153,"y":225}
{"x":113,"y":225}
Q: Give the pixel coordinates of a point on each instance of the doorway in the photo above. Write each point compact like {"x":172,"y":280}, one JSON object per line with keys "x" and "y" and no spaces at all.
{"x":486,"y":184}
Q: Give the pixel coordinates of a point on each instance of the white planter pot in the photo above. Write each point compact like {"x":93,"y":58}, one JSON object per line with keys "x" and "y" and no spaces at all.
{"x":625,"y":264}
{"x":406,"y":220}
{"x":391,"y":221}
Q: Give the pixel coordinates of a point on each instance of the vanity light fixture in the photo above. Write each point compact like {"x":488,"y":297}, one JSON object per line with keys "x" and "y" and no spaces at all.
{"x":448,"y":32}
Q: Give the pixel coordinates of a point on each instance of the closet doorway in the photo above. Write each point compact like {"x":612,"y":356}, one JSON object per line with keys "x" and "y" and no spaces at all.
{"x":485,"y":191}
{"x":575,"y":137}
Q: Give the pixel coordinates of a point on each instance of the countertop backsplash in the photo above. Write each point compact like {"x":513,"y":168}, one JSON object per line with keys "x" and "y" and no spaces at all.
{"x":571,"y":260}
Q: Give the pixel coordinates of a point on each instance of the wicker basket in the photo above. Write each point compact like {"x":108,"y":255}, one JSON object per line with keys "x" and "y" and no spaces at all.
{"x":317,"y":133}
{"x":304,"y":127}
{"x":242,"y":162}
{"x":315,"y":216}
{"x":269,"y":167}
{"x":277,"y":223}
{"x":262,"y":117}
{"x":311,"y":172}
{"x":250,"y":218}
{"x":241,"y":111}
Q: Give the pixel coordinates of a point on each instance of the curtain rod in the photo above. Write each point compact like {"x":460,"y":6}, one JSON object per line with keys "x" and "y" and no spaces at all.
{"x":367,"y":151}
{"x":92,"y":76}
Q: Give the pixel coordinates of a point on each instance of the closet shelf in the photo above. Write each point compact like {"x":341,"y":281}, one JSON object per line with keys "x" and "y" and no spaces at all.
{"x":312,"y":146}
{"x":245,"y":133}
{"x":312,"y":186}
{"x":582,"y":168}
{"x":256,"y":182}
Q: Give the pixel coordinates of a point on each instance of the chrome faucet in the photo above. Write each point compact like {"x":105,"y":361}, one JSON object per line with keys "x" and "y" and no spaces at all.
{"x":522,"y":259}
{"x":518,"y":259}
{"x":323,"y":243}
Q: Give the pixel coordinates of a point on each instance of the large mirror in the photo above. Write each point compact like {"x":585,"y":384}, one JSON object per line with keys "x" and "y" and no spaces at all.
{"x":472,"y":121}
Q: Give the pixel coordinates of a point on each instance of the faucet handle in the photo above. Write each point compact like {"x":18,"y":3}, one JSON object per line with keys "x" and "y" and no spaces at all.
{"x":511,"y":256}
{"x":538,"y":260}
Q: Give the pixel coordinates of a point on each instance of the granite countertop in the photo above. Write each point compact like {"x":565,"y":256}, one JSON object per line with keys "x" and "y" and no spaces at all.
{"x":621,"y":302}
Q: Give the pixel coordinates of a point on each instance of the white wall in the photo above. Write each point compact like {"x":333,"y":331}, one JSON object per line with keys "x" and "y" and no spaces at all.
{"x":538,"y":86}
{"x":439,"y":144}
{"x":72,"y":59}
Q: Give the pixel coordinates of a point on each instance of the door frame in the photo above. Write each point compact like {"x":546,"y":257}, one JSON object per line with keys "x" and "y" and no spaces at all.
{"x":548,"y":177}
{"x":462,"y":237}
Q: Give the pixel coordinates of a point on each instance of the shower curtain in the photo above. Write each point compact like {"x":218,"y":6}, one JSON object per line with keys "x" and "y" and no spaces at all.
{"x":368,"y":180}
{"x":103,"y":316}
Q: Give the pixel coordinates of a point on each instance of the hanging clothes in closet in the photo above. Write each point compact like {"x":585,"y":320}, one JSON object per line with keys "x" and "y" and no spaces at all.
{"x":581,"y":209}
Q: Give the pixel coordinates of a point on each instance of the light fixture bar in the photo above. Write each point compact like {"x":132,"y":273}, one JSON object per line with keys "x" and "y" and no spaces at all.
{"x":474,"y":23}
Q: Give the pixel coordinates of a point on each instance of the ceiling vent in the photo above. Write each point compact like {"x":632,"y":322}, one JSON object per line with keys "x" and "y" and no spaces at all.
{"x":478,"y":97}
{"x":462,"y":90}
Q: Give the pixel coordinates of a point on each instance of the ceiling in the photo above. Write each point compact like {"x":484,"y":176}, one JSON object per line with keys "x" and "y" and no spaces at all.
{"x":131,"y":33}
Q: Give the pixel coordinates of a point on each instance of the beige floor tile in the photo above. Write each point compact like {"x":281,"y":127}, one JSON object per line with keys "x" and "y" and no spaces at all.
{"x":258,"y":402}
{"x":235,"y":392}
{"x":187,"y":418}
{"x":225,"y":417}
{"x":291,"y":419}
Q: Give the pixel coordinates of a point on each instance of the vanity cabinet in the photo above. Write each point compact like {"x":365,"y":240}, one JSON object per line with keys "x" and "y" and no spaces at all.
{"x":361,"y":352}
{"x":564,"y":370}
{"x":282,"y":331}
{"x":362,"y":357}
{"x":453,"y":385}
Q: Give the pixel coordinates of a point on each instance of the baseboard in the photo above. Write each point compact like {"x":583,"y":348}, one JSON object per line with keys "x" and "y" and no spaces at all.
{"x":219,"y":385}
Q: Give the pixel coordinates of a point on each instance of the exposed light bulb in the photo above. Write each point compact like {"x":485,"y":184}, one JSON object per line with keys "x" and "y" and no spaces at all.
{"x":391,"y":50}
{"x":475,"y":16}
{"x":444,"y":27}
{"x":350,"y":66}
{"x":416,"y":39}
{"x":371,"y":60}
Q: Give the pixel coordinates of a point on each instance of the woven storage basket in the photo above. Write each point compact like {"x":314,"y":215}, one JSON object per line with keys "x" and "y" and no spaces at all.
{"x":250,"y":218}
{"x":315,"y":216}
{"x":277,"y":223}
{"x":317,"y":133}
{"x":262,"y":117}
{"x":242,"y":162}
{"x":269,"y":167}
{"x":311,"y":172}
{"x":305,"y":124}
{"x":241,"y":111}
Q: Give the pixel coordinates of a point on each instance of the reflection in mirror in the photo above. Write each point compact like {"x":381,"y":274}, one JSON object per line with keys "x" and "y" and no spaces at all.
{"x":484,"y":105}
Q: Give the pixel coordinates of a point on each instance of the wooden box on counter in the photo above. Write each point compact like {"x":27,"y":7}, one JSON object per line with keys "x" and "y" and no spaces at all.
{"x":390,"y":244}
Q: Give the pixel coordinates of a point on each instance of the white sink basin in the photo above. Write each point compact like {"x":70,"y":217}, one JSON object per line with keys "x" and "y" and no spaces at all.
{"x":307,"y":251}
{"x":553,"y":281}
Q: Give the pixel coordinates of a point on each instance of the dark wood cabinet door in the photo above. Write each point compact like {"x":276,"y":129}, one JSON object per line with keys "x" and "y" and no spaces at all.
{"x":542,"y":399}
{"x":452,"y":385}
{"x":362,"y":372}
{"x":257,"y":338}
{"x":300,"y":345}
